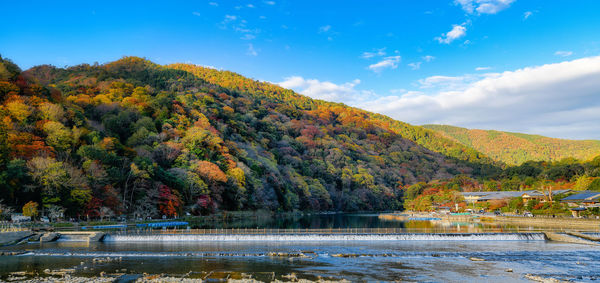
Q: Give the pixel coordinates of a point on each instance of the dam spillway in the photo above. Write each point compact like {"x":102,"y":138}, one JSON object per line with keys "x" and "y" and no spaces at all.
{"x":324,"y":237}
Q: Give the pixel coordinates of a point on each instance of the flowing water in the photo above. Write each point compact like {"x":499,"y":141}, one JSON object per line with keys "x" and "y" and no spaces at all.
{"x":412,"y":257}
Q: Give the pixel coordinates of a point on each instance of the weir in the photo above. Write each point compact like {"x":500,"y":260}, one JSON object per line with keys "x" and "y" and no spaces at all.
{"x":325,"y":237}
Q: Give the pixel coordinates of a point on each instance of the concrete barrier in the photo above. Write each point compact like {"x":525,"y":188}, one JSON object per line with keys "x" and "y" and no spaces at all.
{"x":12,"y":237}
{"x":49,"y":237}
{"x":565,"y":238}
{"x":584,"y":236}
{"x":81,"y":236}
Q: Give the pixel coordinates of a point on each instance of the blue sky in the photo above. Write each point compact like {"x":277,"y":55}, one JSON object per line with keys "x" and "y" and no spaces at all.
{"x":472,"y":63}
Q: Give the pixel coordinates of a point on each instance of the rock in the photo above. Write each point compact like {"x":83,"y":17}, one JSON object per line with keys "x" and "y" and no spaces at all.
{"x":344,"y":255}
{"x":291,"y":277}
{"x":476,"y":259}
{"x":543,"y":279}
{"x":509,"y":270}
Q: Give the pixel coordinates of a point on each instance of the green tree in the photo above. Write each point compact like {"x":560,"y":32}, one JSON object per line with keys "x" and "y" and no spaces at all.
{"x":595,"y":185}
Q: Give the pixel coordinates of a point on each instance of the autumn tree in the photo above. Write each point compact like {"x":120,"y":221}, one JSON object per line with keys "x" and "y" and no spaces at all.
{"x":30,"y":209}
{"x":209,"y":172}
{"x":50,"y":175}
{"x":59,"y":136}
{"x":169,"y":203}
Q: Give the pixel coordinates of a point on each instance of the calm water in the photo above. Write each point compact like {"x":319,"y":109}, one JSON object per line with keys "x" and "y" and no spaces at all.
{"x":341,"y":220}
{"x":338,"y":220}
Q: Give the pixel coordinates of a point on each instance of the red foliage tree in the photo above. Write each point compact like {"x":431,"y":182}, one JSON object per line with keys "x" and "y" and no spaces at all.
{"x":92,"y":208}
{"x":168,"y":201}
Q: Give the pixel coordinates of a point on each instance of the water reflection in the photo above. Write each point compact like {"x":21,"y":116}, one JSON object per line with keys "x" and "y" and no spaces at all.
{"x":297,"y":221}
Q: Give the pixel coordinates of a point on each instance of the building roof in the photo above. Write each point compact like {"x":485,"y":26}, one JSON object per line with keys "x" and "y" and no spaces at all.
{"x":507,"y":194}
{"x":584,"y":196}
{"x":578,"y":208}
{"x":557,"y":192}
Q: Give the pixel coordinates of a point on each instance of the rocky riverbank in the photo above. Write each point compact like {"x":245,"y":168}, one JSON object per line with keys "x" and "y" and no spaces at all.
{"x":70,"y":275}
{"x":105,"y":278}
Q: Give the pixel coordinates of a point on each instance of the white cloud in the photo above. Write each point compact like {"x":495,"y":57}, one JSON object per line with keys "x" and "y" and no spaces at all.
{"x":556,"y":100}
{"x":377,"y":52}
{"x":324,"y":29}
{"x":239,"y":25}
{"x":559,"y":100}
{"x":563,"y":53}
{"x":250,"y":6}
{"x":270,"y":2}
{"x":442,"y":83}
{"x":213,"y":4}
{"x":483,"y":6}
{"x":196,"y":13}
{"x":428,"y":58}
{"x":251,"y":51}
{"x":466,"y":5}
{"x":456,"y":32}
{"x":483,"y":68}
{"x":415,"y":65}
{"x":387,"y":62}
{"x":527,"y":15}
{"x":329,"y":91}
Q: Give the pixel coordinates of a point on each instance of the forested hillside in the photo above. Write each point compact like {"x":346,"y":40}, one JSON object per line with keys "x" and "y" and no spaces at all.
{"x":429,"y":139}
{"x":516,"y":148}
{"x":132,"y":137}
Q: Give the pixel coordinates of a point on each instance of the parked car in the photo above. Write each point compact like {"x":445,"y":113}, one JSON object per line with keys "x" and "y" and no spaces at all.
{"x":528,"y":214}
{"x":497,"y":212}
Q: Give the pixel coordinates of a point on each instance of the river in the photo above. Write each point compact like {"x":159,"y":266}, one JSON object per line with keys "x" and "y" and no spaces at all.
{"x":501,"y":258}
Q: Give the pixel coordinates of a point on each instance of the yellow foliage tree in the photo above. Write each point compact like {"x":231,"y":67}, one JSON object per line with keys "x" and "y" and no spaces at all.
{"x":30,"y":209}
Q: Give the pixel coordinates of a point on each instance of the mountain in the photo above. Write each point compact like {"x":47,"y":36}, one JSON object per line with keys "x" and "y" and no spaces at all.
{"x":429,"y":139}
{"x":133,"y":137}
{"x":517,"y":148}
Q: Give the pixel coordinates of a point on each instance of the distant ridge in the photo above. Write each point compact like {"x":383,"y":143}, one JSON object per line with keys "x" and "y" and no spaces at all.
{"x":517,"y":148}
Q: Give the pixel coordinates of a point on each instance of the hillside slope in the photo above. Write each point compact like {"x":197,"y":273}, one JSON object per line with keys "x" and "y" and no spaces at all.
{"x":429,"y":139}
{"x":133,"y":137}
{"x":516,"y":148}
